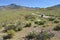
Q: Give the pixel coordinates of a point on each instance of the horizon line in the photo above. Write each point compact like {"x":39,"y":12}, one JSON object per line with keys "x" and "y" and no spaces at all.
{"x":29,"y":6}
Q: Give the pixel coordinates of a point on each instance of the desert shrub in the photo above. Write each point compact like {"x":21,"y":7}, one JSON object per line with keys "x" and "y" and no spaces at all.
{"x":57,"y":28}
{"x":51,"y":19}
{"x":31,"y":35}
{"x":18,"y":29}
{"x":35,"y":26}
{"x":10,"y":34}
{"x":28,"y":25}
{"x":56,"y":21}
{"x":3,"y":24}
{"x":44,"y":35}
{"x":59,"y":18}
{"x":44,"y":25}
{"x":18,"y":23}
{"x":9,"y":27}
{"x":40,"y":22}
{"x":30,"y":17}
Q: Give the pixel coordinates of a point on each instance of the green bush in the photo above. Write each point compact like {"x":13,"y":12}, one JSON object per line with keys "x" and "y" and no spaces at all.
{"x":30,"y":17}
{"x":9,"y":27}
{"x":40,"y":22}
{"x":18,"y":23}
{"x":57,"y":28}
{"x":28,"y":25}
{"x":44,"y":25}
{"x":10,"y":34}
{"x":44,"y":35}
{"x":14,"y":27}
{"x":31,"y":35}
{"x":51,"y":19}
{"x":18,"y":28}
{"x":56,"y":21}
{"x":4,"y":24}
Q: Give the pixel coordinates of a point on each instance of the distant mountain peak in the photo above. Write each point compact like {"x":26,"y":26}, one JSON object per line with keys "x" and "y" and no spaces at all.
{"x":13,"y":6}
{"x":57,"y":5}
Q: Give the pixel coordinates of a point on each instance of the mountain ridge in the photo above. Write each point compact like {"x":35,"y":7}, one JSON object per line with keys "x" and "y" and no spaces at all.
{"x":15,"y":6}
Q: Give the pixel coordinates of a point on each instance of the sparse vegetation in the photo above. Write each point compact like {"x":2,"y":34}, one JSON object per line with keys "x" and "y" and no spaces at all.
{"x":40,"y":22}
{"x":51,"y":19}
{"x":30,"y":17}
{"x":56,"y":21}
{"x":31,"y":35}
{"x":3,"y":24}
{"x":57,"y":28}
{"x":10,"y":34}
{"x":9,"y":27}
{"x":17,"y":19}
{"x":43,"y":35}
{"x":28,"y":25}
{"x":18,"y":28}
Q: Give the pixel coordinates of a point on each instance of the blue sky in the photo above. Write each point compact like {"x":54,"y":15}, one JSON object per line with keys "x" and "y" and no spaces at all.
{"x":31,"y":3}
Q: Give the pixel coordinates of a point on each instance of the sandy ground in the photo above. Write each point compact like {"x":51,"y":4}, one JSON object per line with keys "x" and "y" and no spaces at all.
{"x":25,"y":31}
